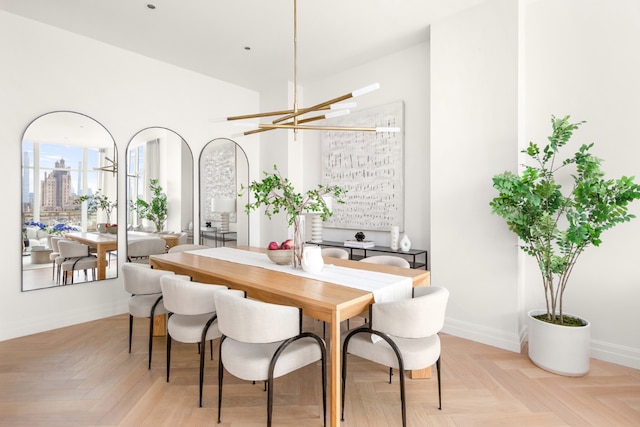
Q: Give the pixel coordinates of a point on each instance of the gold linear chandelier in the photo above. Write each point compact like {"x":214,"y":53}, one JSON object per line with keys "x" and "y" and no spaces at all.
{"x":297,"y":118}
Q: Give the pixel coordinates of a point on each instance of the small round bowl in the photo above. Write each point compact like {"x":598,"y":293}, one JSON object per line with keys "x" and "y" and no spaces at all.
{"x":280,"y":256}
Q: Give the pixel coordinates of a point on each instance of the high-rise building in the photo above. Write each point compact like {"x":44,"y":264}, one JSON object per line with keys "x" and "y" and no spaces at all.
{"x":56,"y":188}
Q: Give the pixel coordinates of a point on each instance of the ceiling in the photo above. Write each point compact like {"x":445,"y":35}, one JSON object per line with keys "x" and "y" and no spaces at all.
{"x":210,"y":36}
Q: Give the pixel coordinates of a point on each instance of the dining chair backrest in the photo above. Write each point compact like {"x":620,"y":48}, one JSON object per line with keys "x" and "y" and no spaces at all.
{"x":416,"y":317}
{"x":335,"y":253}
{"x":146,"y":246}
{"x":181,"y":296}
{"x":387,"y":260}
{"x":254,"y":321}
{"x":141,"y":279}
{"x":69,"y":249}
{"x":54,"y":243}
{"x":186,"y":247}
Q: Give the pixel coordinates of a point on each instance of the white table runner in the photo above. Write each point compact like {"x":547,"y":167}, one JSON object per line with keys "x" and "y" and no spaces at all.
{"x":385,"y":287}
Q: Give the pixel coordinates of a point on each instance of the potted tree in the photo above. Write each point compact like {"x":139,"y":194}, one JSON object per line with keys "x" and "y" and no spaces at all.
{"x":555,"y":225}
{"x":99,"y":201}
{"x":277,"y":194}
{"x":156,"y":210}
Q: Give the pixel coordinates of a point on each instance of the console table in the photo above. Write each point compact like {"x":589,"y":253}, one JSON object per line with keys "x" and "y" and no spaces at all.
{"x":212,"y":233}
{"x":413,"y":253}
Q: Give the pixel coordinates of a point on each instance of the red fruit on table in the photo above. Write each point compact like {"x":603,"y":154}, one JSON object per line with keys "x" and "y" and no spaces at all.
{"x":274,"y":245}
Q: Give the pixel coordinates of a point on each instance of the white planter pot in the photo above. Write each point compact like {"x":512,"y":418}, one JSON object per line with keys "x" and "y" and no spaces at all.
{"x":559,"y":349}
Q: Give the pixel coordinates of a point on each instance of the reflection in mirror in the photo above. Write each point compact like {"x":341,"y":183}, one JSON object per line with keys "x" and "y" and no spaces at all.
{"x":69,"y":186}
{"x":159,"y":193}
{"x":224,"y":169}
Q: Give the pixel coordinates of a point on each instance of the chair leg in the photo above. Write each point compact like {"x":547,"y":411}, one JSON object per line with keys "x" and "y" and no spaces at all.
{"x":168,"y":355}
{"x":130,"y":330}
{"x":202,"y":367}
{"x":439,"y":389}
{"x":150,"y":339}
{"x":324,"y":387}
{"x":269,"y":401}
{"x":344,"y":378}
{"x":390,"y":374}
{"x":402,"y":400}
{"x":220,"y":374}
{"x":211,"y":348}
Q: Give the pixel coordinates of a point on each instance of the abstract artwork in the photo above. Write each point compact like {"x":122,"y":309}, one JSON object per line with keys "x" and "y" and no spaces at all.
{"x":370,"y":166}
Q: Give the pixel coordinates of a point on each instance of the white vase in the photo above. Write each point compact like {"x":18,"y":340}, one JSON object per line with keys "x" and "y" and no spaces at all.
{"x":562,"y":350}
{"x":316,"y":228}
{"x":405,"y":244}
{"x":395,"y":237}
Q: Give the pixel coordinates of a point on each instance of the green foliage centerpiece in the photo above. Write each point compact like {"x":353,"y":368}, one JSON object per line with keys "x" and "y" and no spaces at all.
{"x":277,"y":194}
{"x":556,"y":226}
{"x":98,"y":201}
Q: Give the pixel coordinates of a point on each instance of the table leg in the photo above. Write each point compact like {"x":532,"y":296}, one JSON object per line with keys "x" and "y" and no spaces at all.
{"x":421,"y":373}
{"x":160,"y":325}
{"x":334,"y":372}
{"x":102,"y":262}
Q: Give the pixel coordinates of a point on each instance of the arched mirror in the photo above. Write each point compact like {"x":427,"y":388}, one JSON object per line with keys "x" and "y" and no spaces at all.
{"x":224,"y":169}
{"x":69,"y":186}
{"x":159,"y":193}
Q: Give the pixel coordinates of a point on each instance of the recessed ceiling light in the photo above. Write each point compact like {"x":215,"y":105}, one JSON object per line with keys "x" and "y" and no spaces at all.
{"x":247,"y":48}
{"x":151,"y":6}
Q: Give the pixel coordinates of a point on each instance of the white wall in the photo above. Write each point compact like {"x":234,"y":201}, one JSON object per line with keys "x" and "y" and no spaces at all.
{"x":474,"y":135}
{"x":499,"y":71}
{"x":402,"y":76}
{"x":47,"y":69}
{"x":583,"y":59}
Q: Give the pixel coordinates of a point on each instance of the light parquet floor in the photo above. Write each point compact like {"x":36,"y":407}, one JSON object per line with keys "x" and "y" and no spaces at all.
{"x":83,"y":375}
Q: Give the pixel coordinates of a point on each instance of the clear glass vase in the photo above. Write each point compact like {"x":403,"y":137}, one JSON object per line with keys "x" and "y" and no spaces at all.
{"x":298,"y":240}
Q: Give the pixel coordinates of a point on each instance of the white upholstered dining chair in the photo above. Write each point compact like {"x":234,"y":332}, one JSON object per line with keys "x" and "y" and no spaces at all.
{"x":387,"y":260}
{"x":192,"y":315}
{"x":335,"y":253}
{"x":407,"y":332}
{"x":74,"y":257}
{"x":262,"y":341}
{"x":143,"y":283}
{"x":187,"y":247}
{"x":139,"y":250}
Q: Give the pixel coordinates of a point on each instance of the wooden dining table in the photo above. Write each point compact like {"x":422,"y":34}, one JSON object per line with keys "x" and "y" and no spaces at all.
{"x":102,"y":242}
{"x":320,"y":300}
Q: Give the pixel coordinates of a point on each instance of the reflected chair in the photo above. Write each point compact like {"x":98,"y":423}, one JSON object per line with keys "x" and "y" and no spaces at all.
{"x":335,"y":253}
{"x":138,"y":250}
{"x":401,"y":334}
{"x":387,"y":260}
{"x":75,"y":256}
{"x":262,"y":341}
{"x":143,"y":283}
{"x":53,"y":244}
{"x":186,"y":247}
{"x":192,"y":315}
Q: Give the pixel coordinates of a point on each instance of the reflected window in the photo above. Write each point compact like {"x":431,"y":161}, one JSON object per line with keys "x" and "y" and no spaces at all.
{"x":54,"y":177}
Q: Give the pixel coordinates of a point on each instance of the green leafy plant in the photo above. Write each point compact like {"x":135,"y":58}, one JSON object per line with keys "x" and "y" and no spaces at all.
{"x":277,"y":194}
{"x":156,"y":210}
{"x":98,"y":201}
{"x":555,"y":227}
